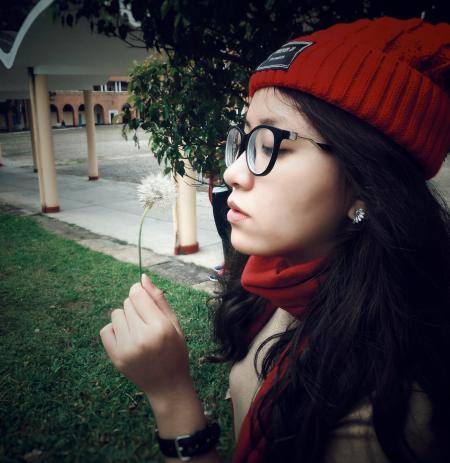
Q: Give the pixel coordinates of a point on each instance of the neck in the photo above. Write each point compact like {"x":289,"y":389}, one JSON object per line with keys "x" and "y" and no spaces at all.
{"x":302,"y":257}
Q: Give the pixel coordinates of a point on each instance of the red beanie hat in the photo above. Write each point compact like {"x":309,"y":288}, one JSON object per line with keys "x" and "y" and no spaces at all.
{"x":394,"y":74}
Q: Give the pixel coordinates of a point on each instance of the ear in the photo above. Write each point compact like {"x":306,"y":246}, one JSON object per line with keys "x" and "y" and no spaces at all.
{"x":357,"y":204}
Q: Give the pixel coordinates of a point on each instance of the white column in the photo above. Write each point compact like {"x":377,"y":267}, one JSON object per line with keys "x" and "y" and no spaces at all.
{"x":35,"y":134}
{"x":32,"y":134}
{"x":90,"y":133}
{"x":186,"y":213}
{"x":46,"y":166}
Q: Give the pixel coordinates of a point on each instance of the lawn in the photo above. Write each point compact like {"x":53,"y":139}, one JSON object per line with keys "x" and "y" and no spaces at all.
{"x":60,"y":397}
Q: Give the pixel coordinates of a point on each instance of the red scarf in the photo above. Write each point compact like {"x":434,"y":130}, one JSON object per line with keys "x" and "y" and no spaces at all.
{"x":288,"y":287}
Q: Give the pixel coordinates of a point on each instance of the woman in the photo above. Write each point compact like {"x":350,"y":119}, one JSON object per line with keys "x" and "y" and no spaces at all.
{"x":335,"y":309}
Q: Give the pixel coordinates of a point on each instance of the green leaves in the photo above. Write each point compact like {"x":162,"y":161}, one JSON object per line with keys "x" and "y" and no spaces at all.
{"x":185,"y":110}
{"x":165,"y":6}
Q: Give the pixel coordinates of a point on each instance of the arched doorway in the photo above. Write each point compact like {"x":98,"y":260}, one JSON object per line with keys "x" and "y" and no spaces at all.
{"x":81,"y":115}
{"x":68,"y":116}
{"x":99,"y":114}
{"x":112,"y":114}
{"x":54,"y":116}
{"x":3,"y":123}
{"x":4,"y":110}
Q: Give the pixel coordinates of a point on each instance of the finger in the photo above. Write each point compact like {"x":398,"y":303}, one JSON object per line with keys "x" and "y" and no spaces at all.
{"x":108,"y":339}
{"x":148,"y":303}
{"x":134,"y":320}
{"x":145,"y":306}
{"x":119,"y":324}
{"x":160,"y":299}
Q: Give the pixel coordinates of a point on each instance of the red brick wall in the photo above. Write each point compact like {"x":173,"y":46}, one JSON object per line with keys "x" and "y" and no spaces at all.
{"x":107,"y":101}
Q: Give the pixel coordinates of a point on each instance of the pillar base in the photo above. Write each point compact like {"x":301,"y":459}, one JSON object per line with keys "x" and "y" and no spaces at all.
{"x":93,"y":178}
{"x":50,"y":209}
{"x":191,"y":249}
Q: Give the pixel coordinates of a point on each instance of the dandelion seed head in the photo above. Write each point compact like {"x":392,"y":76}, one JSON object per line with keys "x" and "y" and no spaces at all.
{"x":156,"y":189}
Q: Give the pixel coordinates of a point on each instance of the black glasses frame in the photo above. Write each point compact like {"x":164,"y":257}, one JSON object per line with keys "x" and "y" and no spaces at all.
{"x":278,"y":135}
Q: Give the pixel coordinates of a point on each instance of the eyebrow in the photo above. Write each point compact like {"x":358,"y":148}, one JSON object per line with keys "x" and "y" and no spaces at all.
{"x":266,"y":121}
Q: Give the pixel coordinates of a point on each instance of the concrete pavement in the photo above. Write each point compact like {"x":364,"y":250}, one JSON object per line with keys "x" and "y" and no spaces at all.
{"x":110,"y":214}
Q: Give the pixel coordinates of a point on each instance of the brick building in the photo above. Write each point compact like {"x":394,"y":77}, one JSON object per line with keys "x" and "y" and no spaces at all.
{"x":67,"y":106}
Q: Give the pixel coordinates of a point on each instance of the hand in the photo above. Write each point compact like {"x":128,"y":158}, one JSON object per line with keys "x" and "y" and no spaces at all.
{"x":146,"y":344}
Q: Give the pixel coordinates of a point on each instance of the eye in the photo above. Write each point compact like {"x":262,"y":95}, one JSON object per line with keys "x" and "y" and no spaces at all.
{"x":267,"y":150}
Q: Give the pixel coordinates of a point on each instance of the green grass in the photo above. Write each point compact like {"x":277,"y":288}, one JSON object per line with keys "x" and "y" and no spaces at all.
{"x":59,"y":393}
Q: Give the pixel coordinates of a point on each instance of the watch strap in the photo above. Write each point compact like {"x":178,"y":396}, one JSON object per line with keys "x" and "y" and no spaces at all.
{"x":191,"y":445}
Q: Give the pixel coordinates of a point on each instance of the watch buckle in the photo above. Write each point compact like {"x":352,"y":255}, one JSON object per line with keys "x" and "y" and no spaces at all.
{"x":179,"y":448}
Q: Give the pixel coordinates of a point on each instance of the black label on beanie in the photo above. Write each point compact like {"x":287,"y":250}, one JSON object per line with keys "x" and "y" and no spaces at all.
{"x":283,"y":58}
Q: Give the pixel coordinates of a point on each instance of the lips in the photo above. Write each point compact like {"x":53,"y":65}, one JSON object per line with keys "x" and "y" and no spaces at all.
{"x":233,"y":205}
{"x":235,"y":214}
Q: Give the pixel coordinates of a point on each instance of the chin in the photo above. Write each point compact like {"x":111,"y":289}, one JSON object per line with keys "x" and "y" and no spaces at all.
{"x":252,"y":248}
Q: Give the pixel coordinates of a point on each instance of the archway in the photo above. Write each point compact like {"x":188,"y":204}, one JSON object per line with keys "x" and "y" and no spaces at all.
{"x":99,"y":114}
{"x":81,"y":115}
{"x":68,"y":116}
{"x":3,"y":123}
{"x":112,"y":114}
{"x":54,"y":116}
{"x":4,"y":108}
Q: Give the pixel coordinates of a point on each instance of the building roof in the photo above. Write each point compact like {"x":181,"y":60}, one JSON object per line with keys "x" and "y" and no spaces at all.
{"x":72,"y":57}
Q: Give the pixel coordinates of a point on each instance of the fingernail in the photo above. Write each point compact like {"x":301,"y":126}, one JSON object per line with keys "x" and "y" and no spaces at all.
{"x":144,"y":277}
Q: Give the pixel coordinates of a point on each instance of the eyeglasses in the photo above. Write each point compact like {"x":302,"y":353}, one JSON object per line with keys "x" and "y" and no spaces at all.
{"x":261,"y":146}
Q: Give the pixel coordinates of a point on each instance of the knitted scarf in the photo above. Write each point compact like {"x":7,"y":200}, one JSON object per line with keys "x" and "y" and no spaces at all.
{"x":288,"y":287}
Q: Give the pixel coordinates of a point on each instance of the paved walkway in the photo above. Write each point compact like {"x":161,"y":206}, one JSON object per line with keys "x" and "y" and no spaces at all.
{"x":118,"y":159}
{"x":110,"y":209}
{"x":105,"y":214}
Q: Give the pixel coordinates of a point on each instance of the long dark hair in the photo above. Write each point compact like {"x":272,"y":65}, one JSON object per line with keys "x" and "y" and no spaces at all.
{"x":380,"y":322}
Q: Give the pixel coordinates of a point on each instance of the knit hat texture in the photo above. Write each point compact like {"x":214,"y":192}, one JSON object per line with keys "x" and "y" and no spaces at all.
{"x":392,"y":73}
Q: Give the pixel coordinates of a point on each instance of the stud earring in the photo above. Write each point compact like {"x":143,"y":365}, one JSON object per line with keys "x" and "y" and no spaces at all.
{"x":359,"y":215}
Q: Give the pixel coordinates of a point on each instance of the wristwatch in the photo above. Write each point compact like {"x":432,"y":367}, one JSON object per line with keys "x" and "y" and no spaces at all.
{"x":190,"y":445}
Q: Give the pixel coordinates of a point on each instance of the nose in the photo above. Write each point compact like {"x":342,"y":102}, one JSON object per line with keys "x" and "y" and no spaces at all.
{"x":238,"y":174}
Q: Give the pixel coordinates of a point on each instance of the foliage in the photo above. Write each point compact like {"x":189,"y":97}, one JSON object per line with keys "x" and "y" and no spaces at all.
{"x":196,"y":86}
{"x":180,"y":125}
{"x":60,"y":397}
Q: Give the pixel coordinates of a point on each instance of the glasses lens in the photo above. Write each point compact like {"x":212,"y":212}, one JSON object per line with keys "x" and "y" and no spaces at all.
{"x":232,"y":147}
{"x":259,"y":150}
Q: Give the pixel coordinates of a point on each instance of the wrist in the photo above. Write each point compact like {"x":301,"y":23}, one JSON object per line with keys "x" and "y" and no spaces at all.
{"x":186,"y":447}
{"x":178,"y":412}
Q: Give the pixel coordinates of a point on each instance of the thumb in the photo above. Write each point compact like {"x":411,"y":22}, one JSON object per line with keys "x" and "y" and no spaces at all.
{"x":160,"y":300}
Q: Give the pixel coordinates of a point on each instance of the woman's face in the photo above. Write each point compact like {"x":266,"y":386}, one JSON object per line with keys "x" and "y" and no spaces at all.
{"x":296,"y":210}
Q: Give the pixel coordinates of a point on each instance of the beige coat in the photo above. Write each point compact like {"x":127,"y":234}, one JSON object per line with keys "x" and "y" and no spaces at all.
{"x":351,"y":442}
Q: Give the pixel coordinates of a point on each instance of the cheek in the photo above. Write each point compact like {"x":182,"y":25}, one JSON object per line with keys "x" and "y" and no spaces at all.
{"x":318,"y":204}
{"x":303,"y":212}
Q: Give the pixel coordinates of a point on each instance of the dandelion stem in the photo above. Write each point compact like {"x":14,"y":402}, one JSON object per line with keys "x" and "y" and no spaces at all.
{"x":139,"y":240}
